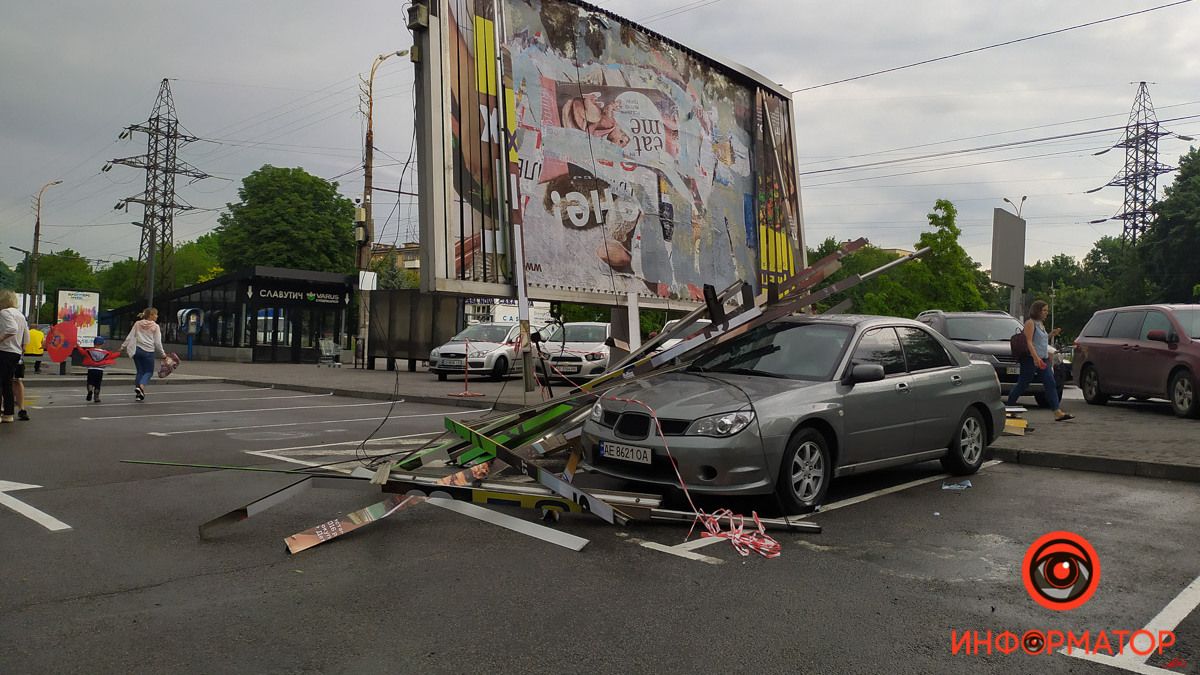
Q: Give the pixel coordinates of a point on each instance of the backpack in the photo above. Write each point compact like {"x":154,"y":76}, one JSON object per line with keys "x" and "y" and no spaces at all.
{"x":1019,"y":345}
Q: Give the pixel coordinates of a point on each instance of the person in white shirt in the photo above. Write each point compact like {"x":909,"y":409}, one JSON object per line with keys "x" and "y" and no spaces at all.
{"x":14,"y":335}
{"x":142,"y":343}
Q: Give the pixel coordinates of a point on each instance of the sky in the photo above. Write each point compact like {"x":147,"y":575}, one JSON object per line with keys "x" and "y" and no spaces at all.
{"x":276,"y":82}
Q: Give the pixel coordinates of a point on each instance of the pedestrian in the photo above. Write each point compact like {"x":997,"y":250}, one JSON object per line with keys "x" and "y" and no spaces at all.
{"x":35,"y":348}
{"x":1035,"y":365}
{"x":19,"y":390}
{"x":96,"y":359}
{"x":143,"y":343}
{"x":14,"y":333}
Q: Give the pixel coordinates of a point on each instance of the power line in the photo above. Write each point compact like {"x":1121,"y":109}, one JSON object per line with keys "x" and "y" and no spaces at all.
{"x":676,"y":11}
{"x":991,"y":46}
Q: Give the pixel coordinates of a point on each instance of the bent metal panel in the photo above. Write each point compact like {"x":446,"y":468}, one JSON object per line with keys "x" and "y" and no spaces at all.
{"x":630,"y":162}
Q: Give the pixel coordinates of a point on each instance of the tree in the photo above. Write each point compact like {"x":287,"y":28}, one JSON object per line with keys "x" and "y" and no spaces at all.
{"x":64,"y":269}
{"x":8,"y":278}
{"x":392,"y":275}
{"x":193,"y":260}
{"x":287,"y":218}
{"x":118,"y":284}
{"x":1169,"y":247}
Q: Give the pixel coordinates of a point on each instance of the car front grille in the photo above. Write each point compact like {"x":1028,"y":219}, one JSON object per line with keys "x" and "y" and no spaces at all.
{"x":1006,"y":359}
{"x":670,"y":427}
{"x":448,"y":355}
{"x":635,"y":426}
{"x":565,"y":359}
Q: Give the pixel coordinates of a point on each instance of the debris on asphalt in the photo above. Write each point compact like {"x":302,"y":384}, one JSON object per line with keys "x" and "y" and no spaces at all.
{"x":956,"y":487}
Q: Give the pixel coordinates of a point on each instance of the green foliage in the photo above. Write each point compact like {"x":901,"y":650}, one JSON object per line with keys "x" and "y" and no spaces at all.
{"x":194,"y":260}
{"x":118,"y":284}
{"x":1169,"y":248}
{"x":8,"y":278}
{"x":287,"y":218}
{"x":64,"y":269}
{"x":392,"y":275}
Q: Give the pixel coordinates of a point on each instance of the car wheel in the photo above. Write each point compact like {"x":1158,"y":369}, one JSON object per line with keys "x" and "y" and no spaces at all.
{"x":1089,"y":382}
{"x":965,"y":455}
{"x":441,"y":377}
{"x":805,"y":473}
{"x":1183,"y":394}
{"x":500,"y":369}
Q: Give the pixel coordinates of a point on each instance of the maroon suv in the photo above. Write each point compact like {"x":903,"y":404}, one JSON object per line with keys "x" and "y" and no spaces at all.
{"x":1141,"y":352}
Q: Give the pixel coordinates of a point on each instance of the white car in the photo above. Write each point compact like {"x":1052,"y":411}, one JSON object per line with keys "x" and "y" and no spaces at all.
{"x":698,"y":326}
{"x":574,"y":350}
{"x":484,"y":349}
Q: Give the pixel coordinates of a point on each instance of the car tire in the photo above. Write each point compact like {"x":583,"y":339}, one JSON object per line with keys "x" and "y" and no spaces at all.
{"x":1089,"y":382}
{"x":441,"y":377}
{"x":1183,"y":394}
{"x":500,"y":369}
{"x":805,"y":472}
{"x":965,"y":455}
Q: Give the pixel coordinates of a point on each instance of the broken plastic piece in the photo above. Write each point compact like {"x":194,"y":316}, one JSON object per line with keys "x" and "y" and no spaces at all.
{"x":957,"y":487}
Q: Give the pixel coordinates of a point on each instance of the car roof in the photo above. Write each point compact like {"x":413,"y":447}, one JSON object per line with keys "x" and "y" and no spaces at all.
{"x":1166,"y":306}
{"x":855,"y":320}
{"x":586,"y":323}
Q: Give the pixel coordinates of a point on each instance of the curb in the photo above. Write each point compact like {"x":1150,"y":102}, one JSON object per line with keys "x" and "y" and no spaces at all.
{"x":1113,"y":465}
{"x":80,"y":381}
{"x":482,"y":403}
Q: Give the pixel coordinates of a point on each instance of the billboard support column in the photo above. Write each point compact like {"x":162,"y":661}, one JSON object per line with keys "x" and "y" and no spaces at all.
{"x":635,"y":322}
{"x":434,"y":165}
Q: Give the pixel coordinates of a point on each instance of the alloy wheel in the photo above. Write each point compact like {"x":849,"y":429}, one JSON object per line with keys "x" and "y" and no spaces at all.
{"x":808,"y":471}
{"x":970,"y":440}
{"x":1091,"y":383}
{"x":1183,"y":393}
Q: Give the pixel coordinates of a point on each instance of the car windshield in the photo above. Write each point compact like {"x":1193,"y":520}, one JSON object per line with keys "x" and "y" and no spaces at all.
{"x":982,"y":328}
{"x":578,"y":333}
{"x":1189,"y":320}
{"x":800,"y":351}
{"x":483,"y":332}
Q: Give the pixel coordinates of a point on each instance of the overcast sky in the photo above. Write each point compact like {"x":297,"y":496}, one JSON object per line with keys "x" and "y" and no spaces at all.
{"x":275,"y":81}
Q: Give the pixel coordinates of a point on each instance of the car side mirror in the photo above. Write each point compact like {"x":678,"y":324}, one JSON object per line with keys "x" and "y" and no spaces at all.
{"x":1158,"y":336}
{"x":865,"y":372}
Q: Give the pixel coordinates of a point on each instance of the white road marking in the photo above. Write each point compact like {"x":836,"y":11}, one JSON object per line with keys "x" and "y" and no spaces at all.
{"x":236,"y":412}
{"x":294,"y":424}
{"x":40,"y":517}
{"x":672,"y":550}
{"x":1167,"y":620}
{"x":195,"y":400}
{"x":885,"y":491}
{"x":167,"y":390}
{"x":270,"y":454}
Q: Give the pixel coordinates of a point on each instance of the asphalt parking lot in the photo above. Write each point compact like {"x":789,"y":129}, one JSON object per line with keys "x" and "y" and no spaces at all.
{"x":128,"y":585}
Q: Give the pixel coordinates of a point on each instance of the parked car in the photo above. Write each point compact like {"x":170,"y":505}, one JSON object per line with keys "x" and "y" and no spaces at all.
{"x":1144,"y":351}
{"x":984,"y":336}
{"x":791,"y":404}
{"x":484,"y":348}
{"x":575,"y":350}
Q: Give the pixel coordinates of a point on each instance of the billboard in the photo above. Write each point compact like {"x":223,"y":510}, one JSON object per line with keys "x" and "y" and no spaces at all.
{"x":80,"y":308}
{"x":622,"y":161}
{"x":1008,"y":249}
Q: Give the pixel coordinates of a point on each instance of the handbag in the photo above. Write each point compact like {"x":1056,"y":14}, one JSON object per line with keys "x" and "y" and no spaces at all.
{"x":1019,"y":345}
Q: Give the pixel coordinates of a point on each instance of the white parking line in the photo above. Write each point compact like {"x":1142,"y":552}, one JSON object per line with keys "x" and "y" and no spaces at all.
{"x":1167,"y":620}
{"x":162,"y":391}
{"x":270,"y":454}
{"x":196,"y":400}
{"x":238,"y":412}
{"x":296,"y":424}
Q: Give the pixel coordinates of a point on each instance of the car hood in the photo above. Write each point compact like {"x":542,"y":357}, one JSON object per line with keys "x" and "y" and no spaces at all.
{"x":992,"y":347}
{"x":682,"y":395}
{"x":459,"y":345}
{"x":574,"y":347}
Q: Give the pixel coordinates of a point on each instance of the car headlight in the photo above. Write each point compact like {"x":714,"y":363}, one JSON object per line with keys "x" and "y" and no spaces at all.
{"x":976,"y":356}
{"x":433,"y":354}
{"x":594,"y":356}
{"x":723,"y":425}
{"x":597,"y":412}
{"x":478,"y":354}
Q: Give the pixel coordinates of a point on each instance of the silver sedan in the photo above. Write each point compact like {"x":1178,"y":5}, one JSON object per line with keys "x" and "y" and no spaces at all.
{"x":790,"y":405}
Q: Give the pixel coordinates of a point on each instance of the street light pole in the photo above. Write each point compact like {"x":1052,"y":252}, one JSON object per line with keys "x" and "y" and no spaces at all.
{"x":1016,"y":304}
{"x":149,"y":262}
{"x":37,"y":236}
{"x":367,"y":237}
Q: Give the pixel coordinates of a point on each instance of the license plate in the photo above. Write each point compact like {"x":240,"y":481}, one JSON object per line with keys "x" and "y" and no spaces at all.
{"x":629,"y":453}
{"x":452,"y":362}
{"x":1013,"y":370}
{"x":569,"y":369}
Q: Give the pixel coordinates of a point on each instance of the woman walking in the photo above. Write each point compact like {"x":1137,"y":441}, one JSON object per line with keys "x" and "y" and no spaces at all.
{"x":1034,"y":363}
{"x":143,"y":343}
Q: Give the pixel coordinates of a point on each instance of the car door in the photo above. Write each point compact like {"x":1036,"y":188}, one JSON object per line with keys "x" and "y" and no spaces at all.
{"x":937,"y":392}
{"x":1113,"y":361}
{"x":1150,"y":362}
{"x":879,"y":415}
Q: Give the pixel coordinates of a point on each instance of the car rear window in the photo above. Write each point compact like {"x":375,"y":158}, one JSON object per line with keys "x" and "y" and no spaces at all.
{"x":1098,"y":326}
{"x":1127,"y":325}
{"x":982,"y":328}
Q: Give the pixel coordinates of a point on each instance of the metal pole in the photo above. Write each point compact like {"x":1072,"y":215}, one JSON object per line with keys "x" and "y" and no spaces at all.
{"x":37,"y":237}
{"x":150,"y":263}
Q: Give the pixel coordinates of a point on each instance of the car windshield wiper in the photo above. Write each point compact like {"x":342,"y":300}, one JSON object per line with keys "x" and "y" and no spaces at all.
{"x":752,"y":371}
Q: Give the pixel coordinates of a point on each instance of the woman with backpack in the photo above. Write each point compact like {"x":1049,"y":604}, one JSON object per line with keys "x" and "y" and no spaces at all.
{"x":1032,"y":347}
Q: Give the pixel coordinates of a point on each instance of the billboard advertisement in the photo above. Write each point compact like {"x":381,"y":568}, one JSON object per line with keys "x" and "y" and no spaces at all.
{"x":80,"y":308}
{"x":624,"y":161}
